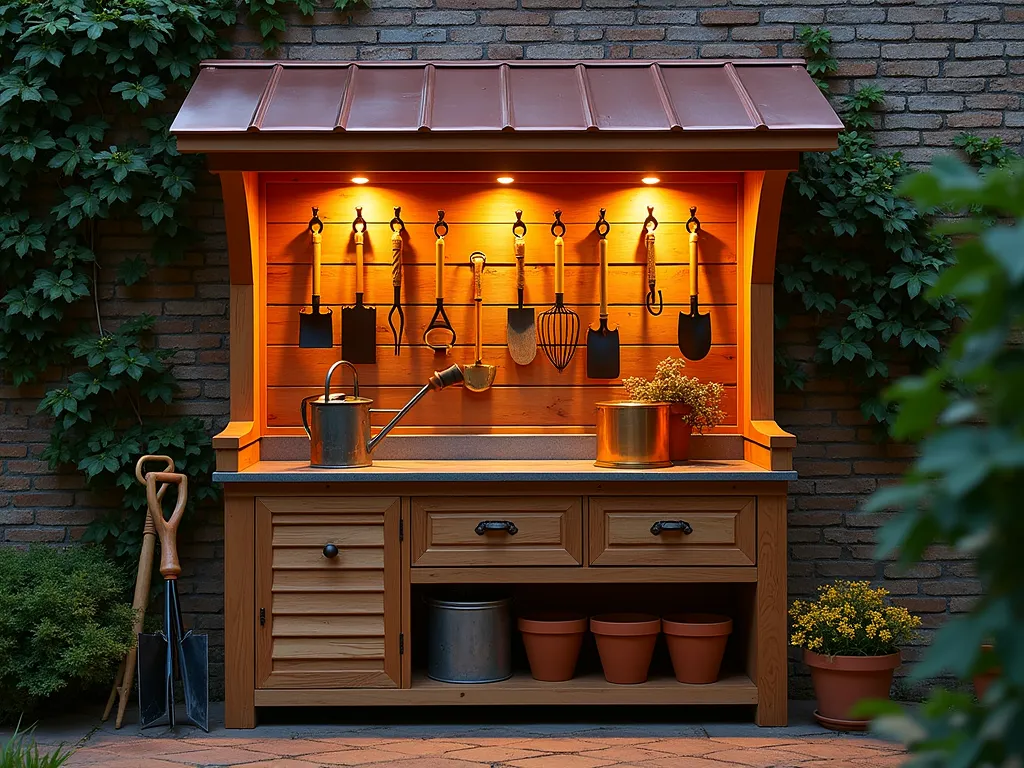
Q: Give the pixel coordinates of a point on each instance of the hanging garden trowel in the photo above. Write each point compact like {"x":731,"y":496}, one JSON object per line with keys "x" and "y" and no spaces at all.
{"x":316,"y":328}
{"x":694,"y":328}
{"x":359,"y":322}
{"x":603,"y":342}
{"x":521,"y":331}
{"x":157,"y":652}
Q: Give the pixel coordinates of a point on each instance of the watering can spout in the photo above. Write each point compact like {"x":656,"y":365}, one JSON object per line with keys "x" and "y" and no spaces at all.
{"x":440,"y":380}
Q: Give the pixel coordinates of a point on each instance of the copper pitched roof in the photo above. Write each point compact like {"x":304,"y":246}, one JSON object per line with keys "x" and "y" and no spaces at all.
{"x":554,"y":97}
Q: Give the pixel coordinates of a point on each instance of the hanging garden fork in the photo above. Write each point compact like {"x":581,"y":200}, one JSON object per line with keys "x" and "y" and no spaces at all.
{"x":396,"y":279}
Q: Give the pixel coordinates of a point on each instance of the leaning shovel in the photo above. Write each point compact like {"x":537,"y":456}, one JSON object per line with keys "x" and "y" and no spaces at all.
{"x":157,"y":652}
{"x":694,"y":328}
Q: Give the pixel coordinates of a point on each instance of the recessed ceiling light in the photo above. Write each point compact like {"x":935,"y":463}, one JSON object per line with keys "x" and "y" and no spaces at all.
{"x":505,"y":179}
{"x":650,"y":179}
{"x":359,"y":179}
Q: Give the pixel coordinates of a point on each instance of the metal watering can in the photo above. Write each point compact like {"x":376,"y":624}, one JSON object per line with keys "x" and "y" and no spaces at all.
{"x":338,"y":426}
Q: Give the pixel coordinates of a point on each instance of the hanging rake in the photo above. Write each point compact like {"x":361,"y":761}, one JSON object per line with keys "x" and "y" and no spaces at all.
{"x":559,"y":327}
{"x":396,"y":279}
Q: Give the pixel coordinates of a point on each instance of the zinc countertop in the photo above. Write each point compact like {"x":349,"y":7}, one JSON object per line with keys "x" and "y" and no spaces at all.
{"x":501,"y":470}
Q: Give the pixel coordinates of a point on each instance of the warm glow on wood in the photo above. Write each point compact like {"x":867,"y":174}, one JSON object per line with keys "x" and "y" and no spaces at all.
{"x":480,"y":215}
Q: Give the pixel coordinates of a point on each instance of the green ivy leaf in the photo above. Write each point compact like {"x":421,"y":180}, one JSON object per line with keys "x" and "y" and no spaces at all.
{"x":132,"y":270}
{"x":141,"y":92}
{"x":93,"y":26}
{"x":1006,"y":244}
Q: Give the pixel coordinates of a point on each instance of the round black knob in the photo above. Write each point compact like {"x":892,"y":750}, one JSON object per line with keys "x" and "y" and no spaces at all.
{"x":330,"y":551}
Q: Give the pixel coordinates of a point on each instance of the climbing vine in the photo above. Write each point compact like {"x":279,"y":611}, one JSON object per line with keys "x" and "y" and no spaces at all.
{"x":860,"y":257}
{"x":86,"y":95}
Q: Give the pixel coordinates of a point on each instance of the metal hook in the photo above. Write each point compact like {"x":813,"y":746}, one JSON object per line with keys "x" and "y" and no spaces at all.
{"x":440,"y":223}
{"x":558,"y":225}
{"x":397,"y":220}
{"x":519,"y":225}
{"x":650,"y":220}
{"x":478,"y":256}
{"x":693,"y":220}
{"x":602,"y":227}
{"x":359,"y":220}
{"x":316,"y":220}
{"x":650,"y":302}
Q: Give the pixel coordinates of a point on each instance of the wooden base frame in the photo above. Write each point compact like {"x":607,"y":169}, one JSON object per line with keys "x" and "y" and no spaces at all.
{"x":292,"y":580}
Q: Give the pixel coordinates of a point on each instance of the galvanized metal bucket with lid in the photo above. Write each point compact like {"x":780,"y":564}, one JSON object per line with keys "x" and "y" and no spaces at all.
{"x":469,"y":639}
{"x":338,"y":425}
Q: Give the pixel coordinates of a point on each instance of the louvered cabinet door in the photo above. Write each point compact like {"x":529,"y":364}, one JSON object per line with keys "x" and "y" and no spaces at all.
{"x":328,"y":575}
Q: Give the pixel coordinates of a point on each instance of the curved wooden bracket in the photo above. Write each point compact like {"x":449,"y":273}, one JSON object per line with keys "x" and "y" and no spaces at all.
{"x":762,"y":205}
{"x":237,"y":445}
{"x":766,"y":444}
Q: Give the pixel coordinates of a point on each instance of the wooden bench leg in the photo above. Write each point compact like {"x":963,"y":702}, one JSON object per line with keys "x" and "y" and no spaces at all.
{"x":239,"y":612}
{"x":770,"y":627}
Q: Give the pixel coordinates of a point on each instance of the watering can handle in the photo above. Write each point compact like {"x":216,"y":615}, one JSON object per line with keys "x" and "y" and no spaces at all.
{"x":330,"y":374}
{"x":304,"y":409}
{"x":167,"y":530}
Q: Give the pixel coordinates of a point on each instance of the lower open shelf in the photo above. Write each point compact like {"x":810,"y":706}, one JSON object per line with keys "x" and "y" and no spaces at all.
{"x":521,"y":688}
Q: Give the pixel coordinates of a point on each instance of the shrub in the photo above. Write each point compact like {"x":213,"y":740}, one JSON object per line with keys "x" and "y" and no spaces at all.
{"x":64,"y":623}
{"x":849,"y":618}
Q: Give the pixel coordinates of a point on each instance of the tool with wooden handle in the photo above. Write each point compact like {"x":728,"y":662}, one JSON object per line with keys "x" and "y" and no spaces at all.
{"x":121,"y":691}
{"x":521,"y":331}
{"x":603,"y":342}
{"x":694,"y":328}
{"x":397,"y":246}
{"x":439,"y":334}
{"x":559,"y":327}
{"x":651,"y":224}
{"x":478,"y":377}
{"x":316,"y":328}
{"x":359,"y":322}
{"x":157,"y":652}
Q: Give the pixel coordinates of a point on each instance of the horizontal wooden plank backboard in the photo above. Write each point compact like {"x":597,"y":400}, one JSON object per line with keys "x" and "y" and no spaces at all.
{"x":480,"y":217}
{"x":499,"y":406}
{"x":289,"y":202}
{"x":291,"y":244}
{"x":632,"y":323}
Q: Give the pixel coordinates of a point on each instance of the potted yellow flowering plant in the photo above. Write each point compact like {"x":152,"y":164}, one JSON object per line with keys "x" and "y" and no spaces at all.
{"x":851,"y":638}
{"x":695,"y":404}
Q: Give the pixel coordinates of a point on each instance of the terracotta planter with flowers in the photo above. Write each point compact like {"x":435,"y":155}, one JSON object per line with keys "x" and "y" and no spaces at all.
{"x":695,"y":404}
{"x":851,"y":637}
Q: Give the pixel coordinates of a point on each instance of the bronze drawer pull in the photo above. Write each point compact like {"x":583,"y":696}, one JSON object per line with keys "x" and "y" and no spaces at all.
{"x":496,"y":525}
{"x":671,"y":525}
{"x":330,"y":551}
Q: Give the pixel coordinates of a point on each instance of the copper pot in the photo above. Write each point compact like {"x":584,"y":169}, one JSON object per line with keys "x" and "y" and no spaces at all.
{"x":633,"y":435}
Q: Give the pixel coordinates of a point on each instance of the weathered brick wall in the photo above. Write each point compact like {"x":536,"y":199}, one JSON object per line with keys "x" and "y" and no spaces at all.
{"x":945,"y":67}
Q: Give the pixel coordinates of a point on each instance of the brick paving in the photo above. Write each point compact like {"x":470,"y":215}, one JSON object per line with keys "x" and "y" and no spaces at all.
{"x":547,"y":745}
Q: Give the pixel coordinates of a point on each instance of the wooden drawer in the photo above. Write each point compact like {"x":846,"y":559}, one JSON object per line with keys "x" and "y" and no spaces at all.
{"x":328,"y":622}
{"x":723,"y":530}
{"x":548,"y":530}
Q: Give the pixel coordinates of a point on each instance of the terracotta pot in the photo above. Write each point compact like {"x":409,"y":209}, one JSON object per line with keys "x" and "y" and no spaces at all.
{"x":985,"y":679}
{"x":842,"y":681}
{"x":679,"y":432}
{"x":553,"y":643}
{"x":696,"y":643}
{"x":625,"y":643}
